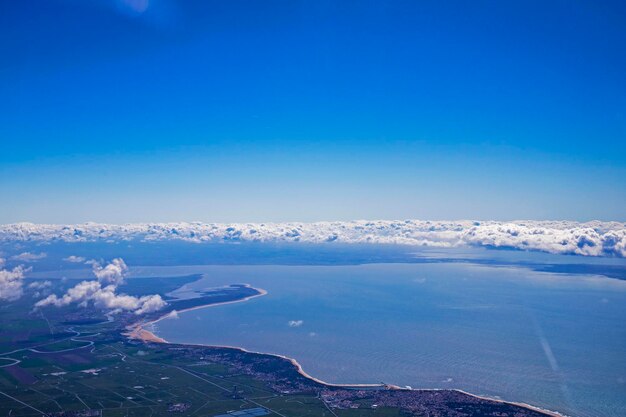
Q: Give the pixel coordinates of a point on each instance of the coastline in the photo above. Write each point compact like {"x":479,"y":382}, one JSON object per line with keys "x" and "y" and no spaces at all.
{"x":138,"y":332}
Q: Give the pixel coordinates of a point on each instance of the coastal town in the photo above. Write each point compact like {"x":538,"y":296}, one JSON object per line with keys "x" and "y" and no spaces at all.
{"x":285,"y":377}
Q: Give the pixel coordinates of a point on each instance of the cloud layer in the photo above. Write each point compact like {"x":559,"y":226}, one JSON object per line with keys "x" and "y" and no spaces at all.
{"x":102,"y":293}
{"x":589,"y":239}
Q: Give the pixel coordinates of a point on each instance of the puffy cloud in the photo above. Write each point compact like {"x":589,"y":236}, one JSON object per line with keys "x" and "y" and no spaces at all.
{"x":81,"y":293}
{"x":295,"y":323}
{"x":40,"y":288}
{"x":150,"y":304}
{"x":589,"y":239}
{"x":74,"y":259}
{"x":113,"y":273}
{"x":106,"y":298}
{"x":103,"y":293}
{"x":28,"y":257}
{"x":11,"y":283}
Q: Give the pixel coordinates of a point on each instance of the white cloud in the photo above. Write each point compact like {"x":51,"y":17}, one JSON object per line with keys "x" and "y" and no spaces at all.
{"x":295,"y":323}
{"x":74,"y":259}
{"x":11,"y":283}
{"x":172,"y":315}
{"x":113,"y":273}
{"x":150,"y":304}
{"x":40,"y":285}
{"x":80,"y":293}
{"x":41,"y":288}
{"x":102,"y":293}
{"x":589,"y":239}
{"x":28,"y":257}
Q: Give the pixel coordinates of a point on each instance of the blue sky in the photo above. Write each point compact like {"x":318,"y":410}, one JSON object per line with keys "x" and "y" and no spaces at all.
{"x":318,"y":110}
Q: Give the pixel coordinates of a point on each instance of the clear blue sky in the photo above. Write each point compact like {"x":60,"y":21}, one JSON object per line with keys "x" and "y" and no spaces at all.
{"x":318,"y":110}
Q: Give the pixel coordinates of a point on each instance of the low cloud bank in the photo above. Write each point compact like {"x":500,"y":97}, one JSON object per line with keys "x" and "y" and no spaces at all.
{"x":102,"y":293}
{"x":566,"y":237}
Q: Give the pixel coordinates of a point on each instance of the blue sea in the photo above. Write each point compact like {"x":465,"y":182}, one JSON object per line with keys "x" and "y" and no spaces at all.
{"x":553,"y":340}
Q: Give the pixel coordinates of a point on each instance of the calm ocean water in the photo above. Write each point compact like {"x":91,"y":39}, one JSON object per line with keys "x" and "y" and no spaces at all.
{"x":556,"y":341}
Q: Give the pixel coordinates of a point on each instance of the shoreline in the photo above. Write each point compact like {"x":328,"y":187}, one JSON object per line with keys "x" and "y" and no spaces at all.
{"x":138,"y":332}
